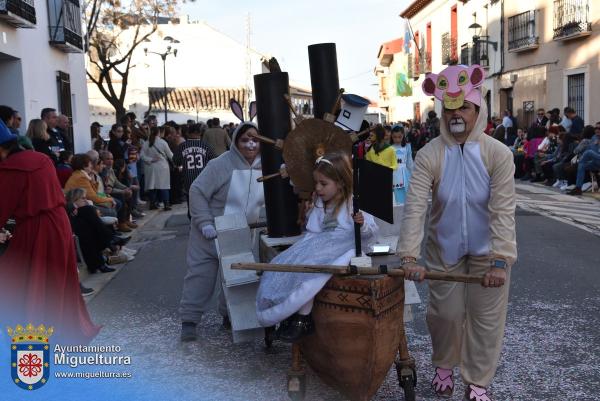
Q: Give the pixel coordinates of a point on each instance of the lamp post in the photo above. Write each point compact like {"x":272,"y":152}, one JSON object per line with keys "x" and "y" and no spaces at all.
{"x":477,"y":40}
{"x":164,"y":56}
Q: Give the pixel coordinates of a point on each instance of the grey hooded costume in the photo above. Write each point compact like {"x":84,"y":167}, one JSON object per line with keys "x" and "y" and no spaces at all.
{"x":227,"y":185}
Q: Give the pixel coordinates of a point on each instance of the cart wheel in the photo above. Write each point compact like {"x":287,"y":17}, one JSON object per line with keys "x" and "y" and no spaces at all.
{"x":296,"y":385}
{"x":409,"y":392}
{"x":269,"y":336}
{"x":407,"y":379}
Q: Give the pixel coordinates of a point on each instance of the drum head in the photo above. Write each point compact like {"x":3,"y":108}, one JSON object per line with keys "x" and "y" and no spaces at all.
{"x":311,"y":139}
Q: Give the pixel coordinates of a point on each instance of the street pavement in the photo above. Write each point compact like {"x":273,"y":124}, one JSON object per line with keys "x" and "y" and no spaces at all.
{"x":552,"y":342}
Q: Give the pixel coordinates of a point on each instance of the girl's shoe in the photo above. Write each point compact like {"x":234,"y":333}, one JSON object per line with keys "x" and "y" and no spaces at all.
{"x":443,"y":382}
{"x":295,"y":328}
{"x":476,"y":393}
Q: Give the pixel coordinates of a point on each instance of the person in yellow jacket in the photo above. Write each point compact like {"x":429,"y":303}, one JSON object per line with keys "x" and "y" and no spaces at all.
{"x":381,"y":152}
{"x":471,"y":231}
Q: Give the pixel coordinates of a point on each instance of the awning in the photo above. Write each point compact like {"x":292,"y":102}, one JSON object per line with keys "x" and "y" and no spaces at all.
{"x":195,"y":99}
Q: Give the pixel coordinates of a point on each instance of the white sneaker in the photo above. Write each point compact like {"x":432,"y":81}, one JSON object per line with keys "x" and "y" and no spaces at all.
{"x":587,"y":186}
{"x":129,"y":251}
{"x":569,"y":187}
{"x":557,"y":184}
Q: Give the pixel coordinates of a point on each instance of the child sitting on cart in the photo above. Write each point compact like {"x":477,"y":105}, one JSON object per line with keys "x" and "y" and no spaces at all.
{"x":287,"y":298}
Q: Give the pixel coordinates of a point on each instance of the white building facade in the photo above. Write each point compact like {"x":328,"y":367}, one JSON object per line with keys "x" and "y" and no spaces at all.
{"x":437,"y":35}
{"x":537,"y":54}
{"x":208,"y":70}
{"x":42,"y":62}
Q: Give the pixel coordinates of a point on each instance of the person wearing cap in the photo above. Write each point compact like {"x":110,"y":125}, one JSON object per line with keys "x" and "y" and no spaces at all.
{"x":38,"y":271}
{"x":97,"y":140}
{"x":471,"y":231}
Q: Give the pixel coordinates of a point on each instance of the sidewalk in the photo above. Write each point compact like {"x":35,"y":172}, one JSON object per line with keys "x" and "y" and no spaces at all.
{"x":149,"y":228}
{"x":582,"y":212}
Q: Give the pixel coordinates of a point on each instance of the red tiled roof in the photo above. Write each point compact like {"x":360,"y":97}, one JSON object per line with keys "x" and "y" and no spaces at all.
{"x":387,"y":51}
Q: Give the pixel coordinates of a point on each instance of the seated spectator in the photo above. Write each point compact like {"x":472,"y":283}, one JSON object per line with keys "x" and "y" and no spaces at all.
{"x":83,"y":177}
{"x":37,"y":132}
{"x":552,"y":167}
{"x":589,"y":161}
{"x":535,"y":137}
{"x":117,"y":190}
{"x":63,"y":168}
{"x":545,"y":152}
{"x":94,"y":236}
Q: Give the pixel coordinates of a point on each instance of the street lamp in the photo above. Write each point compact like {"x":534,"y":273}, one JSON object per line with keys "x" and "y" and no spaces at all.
{"x":163,"y":56}
{"x":476,"y":29}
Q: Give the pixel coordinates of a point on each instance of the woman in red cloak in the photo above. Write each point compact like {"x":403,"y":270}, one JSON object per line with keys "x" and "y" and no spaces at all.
{"x":38,"y":271}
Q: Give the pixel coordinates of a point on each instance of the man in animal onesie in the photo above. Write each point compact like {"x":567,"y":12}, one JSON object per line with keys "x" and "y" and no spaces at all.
{"x":227,"y":185}
{"x":471,"y":231}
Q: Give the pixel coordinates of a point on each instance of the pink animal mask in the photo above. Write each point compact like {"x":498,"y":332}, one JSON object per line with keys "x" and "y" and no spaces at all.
{"x":455,"y":84}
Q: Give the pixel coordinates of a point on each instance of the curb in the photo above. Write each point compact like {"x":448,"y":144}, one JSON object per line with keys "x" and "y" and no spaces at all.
{"x":154,"y":219}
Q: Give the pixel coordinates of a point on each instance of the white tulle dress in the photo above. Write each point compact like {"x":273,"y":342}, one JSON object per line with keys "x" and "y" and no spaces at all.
{"x":328,"y":240}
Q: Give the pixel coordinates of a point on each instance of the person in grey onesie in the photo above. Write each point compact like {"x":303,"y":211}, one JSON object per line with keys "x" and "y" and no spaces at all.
{"x":227,"y":185}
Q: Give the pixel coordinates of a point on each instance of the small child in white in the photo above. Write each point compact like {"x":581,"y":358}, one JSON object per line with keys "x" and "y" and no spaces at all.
{"x":405,"y":164}
{"x":329,"y":239}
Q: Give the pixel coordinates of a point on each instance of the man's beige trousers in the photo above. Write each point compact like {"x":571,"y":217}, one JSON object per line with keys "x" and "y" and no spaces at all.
{"x":466,"y":321}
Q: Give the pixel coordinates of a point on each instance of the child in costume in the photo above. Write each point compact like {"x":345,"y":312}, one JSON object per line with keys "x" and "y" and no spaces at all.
{"x":381,"y":152}
{"x":405,"y":163}
{"x":329,"y":239}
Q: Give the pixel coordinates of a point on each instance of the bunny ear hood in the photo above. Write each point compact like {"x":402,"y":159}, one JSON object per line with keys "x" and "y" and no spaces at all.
{"x":455,"y":84}
{"x":236,"y":109}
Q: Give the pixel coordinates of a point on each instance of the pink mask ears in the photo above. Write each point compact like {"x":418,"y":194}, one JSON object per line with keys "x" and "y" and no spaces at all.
{"x":455,"y":84}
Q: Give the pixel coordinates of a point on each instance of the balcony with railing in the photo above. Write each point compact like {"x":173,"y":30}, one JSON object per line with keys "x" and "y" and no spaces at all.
{"x":427,"y":62}
{"x":522,"y":31}
{"x":65,"y":25}
{"x":571,"y":19}
{"x":410,"y":66}
{"x":18,"y":13}
{"x":416,"y":67}
{"x":449,"y":49}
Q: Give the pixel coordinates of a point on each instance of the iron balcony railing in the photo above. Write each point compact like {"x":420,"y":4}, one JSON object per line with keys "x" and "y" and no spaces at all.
{"x":24,"y":9}
{"x":65,"y":25}
{"x":465,"y":51}
{"x":427,"y":62}
{"x":522,"y":30}
{"x":571,"y":17}
{"x":410,"y":65}
{"x":449,"y":49}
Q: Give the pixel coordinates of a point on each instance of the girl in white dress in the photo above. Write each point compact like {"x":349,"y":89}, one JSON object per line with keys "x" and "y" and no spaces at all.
{"x":405,"y":164}
{"x":329,"y":240}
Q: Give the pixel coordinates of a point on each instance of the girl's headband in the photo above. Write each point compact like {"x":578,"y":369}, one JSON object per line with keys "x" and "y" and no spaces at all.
{"x":323,"y":160}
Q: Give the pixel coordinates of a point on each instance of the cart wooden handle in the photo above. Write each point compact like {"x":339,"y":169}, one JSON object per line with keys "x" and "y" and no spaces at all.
{"x":353,"y":270}
{"x":282,"y":173}
{"x":278,"y":143}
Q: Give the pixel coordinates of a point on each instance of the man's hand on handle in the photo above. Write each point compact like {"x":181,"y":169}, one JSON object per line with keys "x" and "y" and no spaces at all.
{"x":413,"y":271}
{"x":495,"y":277}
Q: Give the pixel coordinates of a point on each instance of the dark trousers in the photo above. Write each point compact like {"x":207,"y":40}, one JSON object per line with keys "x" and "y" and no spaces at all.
{"x":94,"y":236}
{"x":159,"y":195}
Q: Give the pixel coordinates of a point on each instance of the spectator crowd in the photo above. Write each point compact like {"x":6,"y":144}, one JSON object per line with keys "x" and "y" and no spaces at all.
{"x":140,"y":166}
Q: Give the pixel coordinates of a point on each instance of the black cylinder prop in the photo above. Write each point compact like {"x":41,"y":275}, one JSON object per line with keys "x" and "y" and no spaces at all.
{"x":324,"y":78}
{"x":274,"y":122}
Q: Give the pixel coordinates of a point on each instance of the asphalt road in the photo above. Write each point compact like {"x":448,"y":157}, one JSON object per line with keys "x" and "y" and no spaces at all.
{"x":551,"y":350}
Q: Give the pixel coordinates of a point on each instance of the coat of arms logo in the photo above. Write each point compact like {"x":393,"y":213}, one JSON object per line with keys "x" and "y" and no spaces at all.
{"x":30,"y":355}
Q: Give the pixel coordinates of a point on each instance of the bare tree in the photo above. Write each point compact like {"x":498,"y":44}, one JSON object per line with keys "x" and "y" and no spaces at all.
{"x":114,"y":31}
